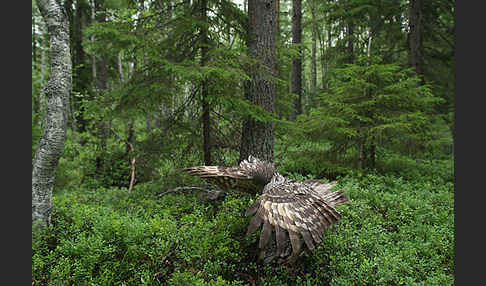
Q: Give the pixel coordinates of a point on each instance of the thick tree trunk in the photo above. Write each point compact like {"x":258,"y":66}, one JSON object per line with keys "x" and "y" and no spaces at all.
{"x":258,"y":137}
{"x":51,"y":143}
{"x":296,"y":83}
{"x":415,"y":37}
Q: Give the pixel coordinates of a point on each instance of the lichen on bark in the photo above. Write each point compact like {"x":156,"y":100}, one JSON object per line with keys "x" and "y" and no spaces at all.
{"x":51,"y":143}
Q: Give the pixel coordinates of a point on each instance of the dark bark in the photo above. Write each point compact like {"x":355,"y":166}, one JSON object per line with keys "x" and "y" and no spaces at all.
{"x":206,"y":120}
{"x":81,"y":72}
{"x":277,"y":10}
{"x":350,"y":38}
{"x":100,"y":81}
{"x":415,"y":37}
{"x":51,"y":143}
{"x":258,"y":137}
{"x":296,"y":82}
{"x":372,"y":156}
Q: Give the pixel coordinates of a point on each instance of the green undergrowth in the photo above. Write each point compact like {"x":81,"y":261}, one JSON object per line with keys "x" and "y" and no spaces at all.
{"x":395,"y":231}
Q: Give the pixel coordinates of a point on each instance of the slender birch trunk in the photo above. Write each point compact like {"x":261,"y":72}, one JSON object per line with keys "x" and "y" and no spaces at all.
{"x":51,"y":143}
{"x":43,"y":72}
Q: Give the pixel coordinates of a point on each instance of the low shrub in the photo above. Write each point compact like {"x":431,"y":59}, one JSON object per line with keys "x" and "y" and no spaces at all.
{"x":394,"y":231}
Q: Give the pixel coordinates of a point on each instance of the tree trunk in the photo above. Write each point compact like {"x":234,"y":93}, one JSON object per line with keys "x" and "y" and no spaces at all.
{"x":206,"y":120}
{"x":34,"y":44}
{"x":350,"y":36}
{"x":296,"y":83}
{"x":325,"y":50}
{"x":327,"y":62}
{"x":100,"y":81}
{"x":415,"y":37}
{"x":277,"y":10}
{"x":313,"y":80}
{"x":43,"y":76}
{"x":92,"y":39}
{"x":258,"y":137}
{"x":372,"y":155}
{"x":81,"y":73}
{"x":51,"y":143}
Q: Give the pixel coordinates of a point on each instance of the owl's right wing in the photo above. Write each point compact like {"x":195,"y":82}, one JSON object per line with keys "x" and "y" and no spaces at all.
{"x":234,"y":178}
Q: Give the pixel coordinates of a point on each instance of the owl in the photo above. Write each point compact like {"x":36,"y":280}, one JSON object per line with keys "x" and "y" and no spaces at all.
{"x":291,"y":210}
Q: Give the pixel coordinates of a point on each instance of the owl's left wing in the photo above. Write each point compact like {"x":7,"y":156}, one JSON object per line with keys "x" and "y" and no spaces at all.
{"x":323,"y":189}
{"x":293,"y":207}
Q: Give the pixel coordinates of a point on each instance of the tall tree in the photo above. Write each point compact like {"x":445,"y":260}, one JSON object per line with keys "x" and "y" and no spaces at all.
{"x":204,"y":86}
{"x":81,"y":72}
{"x":415,"y":37}
{"x":57,"y":90}
{"x":258,"y":136}
{"x":296,"y":83}
{"x":313,"y":79}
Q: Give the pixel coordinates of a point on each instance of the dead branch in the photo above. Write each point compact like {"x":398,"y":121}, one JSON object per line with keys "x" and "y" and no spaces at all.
{"x":212,"y":193}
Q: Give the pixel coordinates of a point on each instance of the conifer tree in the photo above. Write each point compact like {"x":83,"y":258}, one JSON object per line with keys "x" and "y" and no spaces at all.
{"x":257,"y":137}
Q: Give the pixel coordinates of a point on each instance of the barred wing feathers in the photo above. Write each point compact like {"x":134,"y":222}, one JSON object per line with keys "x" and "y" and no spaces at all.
{"x":249,"y":176}
{"x":224,"y":177}
{"x":324,"y":191}
{"x":291,"y":206}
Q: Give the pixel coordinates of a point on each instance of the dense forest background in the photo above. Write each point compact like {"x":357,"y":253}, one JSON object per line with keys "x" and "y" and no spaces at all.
{"x":362,"y":93}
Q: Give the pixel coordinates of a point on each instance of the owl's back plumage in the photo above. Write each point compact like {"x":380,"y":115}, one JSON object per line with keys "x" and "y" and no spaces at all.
{"x":286,"y":206}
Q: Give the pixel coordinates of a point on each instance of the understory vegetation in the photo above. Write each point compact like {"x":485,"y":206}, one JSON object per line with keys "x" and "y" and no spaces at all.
{"x":398,"y":229}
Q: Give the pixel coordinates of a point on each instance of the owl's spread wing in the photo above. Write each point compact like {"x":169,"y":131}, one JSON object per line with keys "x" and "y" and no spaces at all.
{"x":235,"y":178}
{"x":240,"y":178}
{"x":293,"y":207}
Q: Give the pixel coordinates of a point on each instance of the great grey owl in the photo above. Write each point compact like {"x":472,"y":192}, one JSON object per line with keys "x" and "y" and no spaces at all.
{"x":286,"y":206}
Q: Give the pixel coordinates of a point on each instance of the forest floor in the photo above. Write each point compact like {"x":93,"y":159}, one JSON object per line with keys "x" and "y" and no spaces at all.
{"x":396,"y":230}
